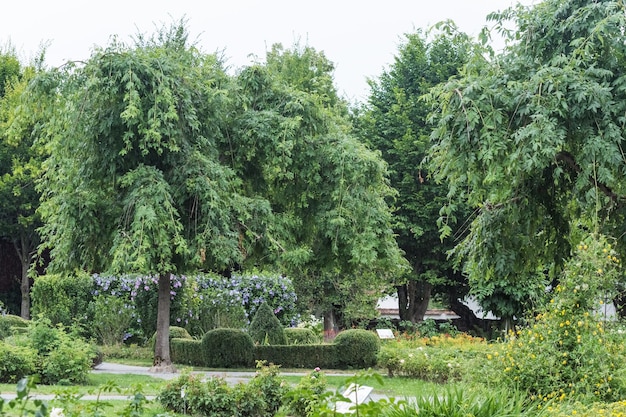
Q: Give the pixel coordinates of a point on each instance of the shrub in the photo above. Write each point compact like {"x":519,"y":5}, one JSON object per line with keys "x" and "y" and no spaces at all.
{"x":265,"y":328}
{"x":63,"y":358}
{"x":16,"y":362}
{"x":566,"y":352}
{"x":298,"y":356}
{"x":267,"y":385}
{"x":131,"y":351}
{"x":438,"y":365}
{"x":228,"y":348}
{"x":301,"y":336}
{"x":357,"y":348}
{"x":9,"y":322}
{"x":43,"y":336}
{"x":183,"y":395}
{"x":308,"y":395}
{"x":261,"y":397}
{"x":175,"y":333}
{"x":187,"y":352}
{"x":69,"y":363}
{"x":112,"y":319}
{"x":64,"y":299}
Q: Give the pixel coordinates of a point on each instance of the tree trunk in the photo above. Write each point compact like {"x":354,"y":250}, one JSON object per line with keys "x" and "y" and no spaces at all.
{"x":162,"y":361}
{"x":468,"y":320}
{"x":25,"y":249}
{"x":413,"y":299}
{"x":331,"y":327}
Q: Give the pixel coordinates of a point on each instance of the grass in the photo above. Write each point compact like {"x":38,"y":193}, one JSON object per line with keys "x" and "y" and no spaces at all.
{"x":150,"y":385}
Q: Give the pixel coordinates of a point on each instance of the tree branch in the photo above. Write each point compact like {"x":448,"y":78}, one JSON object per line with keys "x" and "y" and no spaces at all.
{"x":569,"y":160}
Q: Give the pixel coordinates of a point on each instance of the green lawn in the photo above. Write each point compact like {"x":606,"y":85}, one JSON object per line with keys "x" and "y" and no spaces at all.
{"x":124,"y":384}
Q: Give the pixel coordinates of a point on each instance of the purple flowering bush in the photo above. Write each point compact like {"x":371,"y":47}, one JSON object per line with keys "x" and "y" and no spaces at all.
{"x":250,"y":291}
{"x":201,"y":302}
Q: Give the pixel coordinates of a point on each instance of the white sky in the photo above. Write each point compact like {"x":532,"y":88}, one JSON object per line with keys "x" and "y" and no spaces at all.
{"x":359,"y":36}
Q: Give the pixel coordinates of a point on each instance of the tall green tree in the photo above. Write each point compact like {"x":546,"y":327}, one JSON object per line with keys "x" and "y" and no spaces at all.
{"x":135,"y":183}
{"x":395,"y":122}
{"x":161,"y":163}
{"x":20,"y":165}
{"x":533,"y":139}
{"x":292,"y":139}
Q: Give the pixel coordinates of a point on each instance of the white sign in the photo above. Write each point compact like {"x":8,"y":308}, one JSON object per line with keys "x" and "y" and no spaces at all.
{"x":385,"y":333}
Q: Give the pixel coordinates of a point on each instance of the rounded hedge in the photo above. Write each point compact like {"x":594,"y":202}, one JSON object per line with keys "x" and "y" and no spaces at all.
{"x":301,"y":336}
{"x":175,"y":333}
{"x":228,"y":348}
{"x":357,"y":348}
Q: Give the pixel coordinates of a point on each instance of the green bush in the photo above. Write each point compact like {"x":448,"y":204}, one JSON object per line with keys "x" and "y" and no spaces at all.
{"x":62,"y":358}
{"x":298,"y":356}
{"x":8,"y":324}
{"x":307,"y":396}
{"x":267,"y":385}
{"x":357,"y":348}
{"x":435,"y":364}
{"x":63,"y":299}
{"x":69,"y":363}
{"x":187,"y":352}
{"x":228,"y":348}
{"x":184,"y":395}
{"x":265,"y":328}
{"x":301,"y":336}
{"x":111,"y":319}
{"x":175,"y":333}
{"x":43,"y":336}
{"x":16,"y":362}
{"x":261,"y":397}
{"x":566,"y":351}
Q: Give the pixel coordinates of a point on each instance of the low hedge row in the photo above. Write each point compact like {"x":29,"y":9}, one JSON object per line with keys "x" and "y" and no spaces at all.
{"x":232,"y":348}
{"x":298,"y":356}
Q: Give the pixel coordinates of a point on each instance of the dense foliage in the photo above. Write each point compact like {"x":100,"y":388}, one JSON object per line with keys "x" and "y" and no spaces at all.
{"x":570,"y":350}
{"x":357,"y":347}
{"x":394,"y":121}
{"x":265,"y":329}
{"x":55,"y":355}
{"x":532,"y":139}
{"x":228,"y":348}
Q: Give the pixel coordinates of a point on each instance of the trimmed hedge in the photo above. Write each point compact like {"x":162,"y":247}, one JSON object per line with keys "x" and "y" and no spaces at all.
{"x":228,"y":348}
{"x":63,"y":299}
{"x":175,"y":333}
{"x":265,"y":328}
{"x":301,"y":336}
{"x":298,"y":356}
{"x":187,"y":352}
{"x":357,"y":348}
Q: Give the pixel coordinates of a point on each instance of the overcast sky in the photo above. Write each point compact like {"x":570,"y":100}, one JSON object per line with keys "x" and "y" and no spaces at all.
{"x":359,"y":36}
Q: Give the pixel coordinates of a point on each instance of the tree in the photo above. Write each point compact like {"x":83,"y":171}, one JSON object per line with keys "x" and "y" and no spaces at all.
{"x":20,"y":163}
{"x":292,"y":140}
{"x":134,"y":182}
{"x":533,"y":139}
{"x":161,"y":163}
{"x":394,"y":121}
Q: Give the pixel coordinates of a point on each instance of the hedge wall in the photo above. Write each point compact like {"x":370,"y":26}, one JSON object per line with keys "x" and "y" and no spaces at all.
{"x":225,"y":348}
{"x":298,"y":356}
